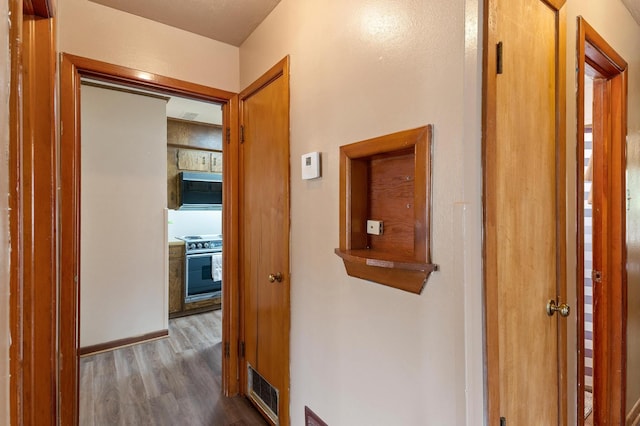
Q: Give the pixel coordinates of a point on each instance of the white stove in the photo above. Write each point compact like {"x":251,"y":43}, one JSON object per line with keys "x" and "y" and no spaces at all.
{"x":203,"y":267}
{"x":202,"y":243}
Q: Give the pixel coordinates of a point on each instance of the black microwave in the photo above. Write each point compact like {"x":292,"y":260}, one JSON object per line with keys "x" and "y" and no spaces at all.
{"x":200,"y":191}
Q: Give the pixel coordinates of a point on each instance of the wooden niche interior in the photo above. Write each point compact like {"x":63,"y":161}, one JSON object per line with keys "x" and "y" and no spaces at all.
{"x":387,"y":179}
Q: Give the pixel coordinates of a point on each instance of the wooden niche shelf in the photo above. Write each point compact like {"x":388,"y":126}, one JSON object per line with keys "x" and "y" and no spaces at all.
{"x":387,"y":179}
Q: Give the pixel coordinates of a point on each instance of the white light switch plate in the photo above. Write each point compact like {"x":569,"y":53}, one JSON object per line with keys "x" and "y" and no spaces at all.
{"x":374,"y":227}
{"x":311,"y":165}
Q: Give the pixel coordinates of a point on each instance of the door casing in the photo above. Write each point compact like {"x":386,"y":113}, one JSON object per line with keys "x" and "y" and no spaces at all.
{"x":596,"y":58}
{"x":269,"y":302}
{"x":71,"y":71}
{"x":32,"y":214}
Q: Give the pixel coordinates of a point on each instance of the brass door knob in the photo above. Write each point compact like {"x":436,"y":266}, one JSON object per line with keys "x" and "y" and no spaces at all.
{"x":563,"y":308}
{"x":275,"y":277}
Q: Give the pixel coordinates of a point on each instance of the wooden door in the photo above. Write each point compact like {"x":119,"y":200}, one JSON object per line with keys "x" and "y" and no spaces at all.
{"x":264,"y":192}
{"x":525,"y":212}
{"x":598,"y":60}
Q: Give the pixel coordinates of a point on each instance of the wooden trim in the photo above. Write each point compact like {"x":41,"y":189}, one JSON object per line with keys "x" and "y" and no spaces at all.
{"x":610,"y":257}
{"x":115,"y":73}
{"x":39,"y":8}
{"x":120,"y":343}
{"x":561,"y":205}
{"x":281,"y":69}
{"x":33,"y":282}
{"x":71,"y":70}
{"x":16,"y":320}
{"x":199,"y":123}
{"x":69,"y":334}
{"x":231,"y":200}
{"x":192,"y":148}
{"x":598,"y":51}
{"x":492,"y":353}
{"x":125,"y":90}
{"x":555,"y":4}
{"x":579,"y":309}
{"x":374,"y":260}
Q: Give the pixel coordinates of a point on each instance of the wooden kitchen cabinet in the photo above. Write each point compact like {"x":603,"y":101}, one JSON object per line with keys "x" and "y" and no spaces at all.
{"x":191,"y":146}
{"x":191,"y":160}
{"x":176,"y":278}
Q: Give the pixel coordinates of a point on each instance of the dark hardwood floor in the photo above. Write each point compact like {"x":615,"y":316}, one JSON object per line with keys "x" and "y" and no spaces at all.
{"x":172,"y":381}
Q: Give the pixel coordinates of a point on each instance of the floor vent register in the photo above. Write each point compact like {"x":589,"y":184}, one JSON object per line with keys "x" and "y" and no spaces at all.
{"x":264,"y":394}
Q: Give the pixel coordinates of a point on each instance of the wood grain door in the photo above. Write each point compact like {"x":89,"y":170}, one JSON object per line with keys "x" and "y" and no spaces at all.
{"x":600,"y":62}
{"x":525,"y":211}
{"x":264,"y":192}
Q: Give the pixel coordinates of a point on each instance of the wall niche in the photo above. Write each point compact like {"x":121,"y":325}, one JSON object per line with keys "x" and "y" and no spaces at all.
{"x":387,"y":179}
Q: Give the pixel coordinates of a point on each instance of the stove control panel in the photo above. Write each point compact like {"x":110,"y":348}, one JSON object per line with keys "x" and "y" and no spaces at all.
{"x":203,"y":246}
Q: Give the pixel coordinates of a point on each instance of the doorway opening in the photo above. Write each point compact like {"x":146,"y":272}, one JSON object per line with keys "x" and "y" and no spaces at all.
{"x":144,"y":311}
{"x":601,"y":243}
{"x":73,"y":70}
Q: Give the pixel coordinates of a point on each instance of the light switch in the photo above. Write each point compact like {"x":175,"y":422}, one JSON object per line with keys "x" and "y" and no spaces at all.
{"x":374,"y":227}
{"x":311,"y":165}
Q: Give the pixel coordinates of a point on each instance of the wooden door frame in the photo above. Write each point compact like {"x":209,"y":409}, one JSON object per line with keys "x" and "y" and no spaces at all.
{"x":32,"y":218}
{"x":72,"y":69}
{"x":595,"y":57}
{"x":279,"y":70}
{"x":490,"y":272}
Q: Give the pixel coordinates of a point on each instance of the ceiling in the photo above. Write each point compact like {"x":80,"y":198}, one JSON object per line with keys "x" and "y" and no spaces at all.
{"x":634,"y":8}
{"x":228,"y":21}
{"x":177,"y":107}
{"x":192,"y":110}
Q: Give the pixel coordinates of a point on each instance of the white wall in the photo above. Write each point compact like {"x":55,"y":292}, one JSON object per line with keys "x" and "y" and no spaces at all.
{"x":613,"y":22}
{"x":5,"y":78}
{"x":362,"y":353}
{"x":193,"y":222}
{"x":343,"y":83}
{"x":123,"y":246}
{"x":98,"y":32}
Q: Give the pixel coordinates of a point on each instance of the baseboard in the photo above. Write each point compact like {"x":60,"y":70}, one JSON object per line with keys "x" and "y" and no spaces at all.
{"x":119,"y":343}
{"x":633,"y":418}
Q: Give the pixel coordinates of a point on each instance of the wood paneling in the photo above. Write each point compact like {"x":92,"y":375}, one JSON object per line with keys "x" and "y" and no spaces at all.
{"x":216,"y":162}
{"x":173,"y":191}
{"x":197,"y":161}
{"x":194,"y":147}
{"x":183,"y":159}
{"x":194,"y":135}
{"x":176,"y":278}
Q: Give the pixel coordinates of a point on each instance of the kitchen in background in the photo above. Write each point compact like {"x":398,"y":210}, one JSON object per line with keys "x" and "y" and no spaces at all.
{"x":194,"y":202}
